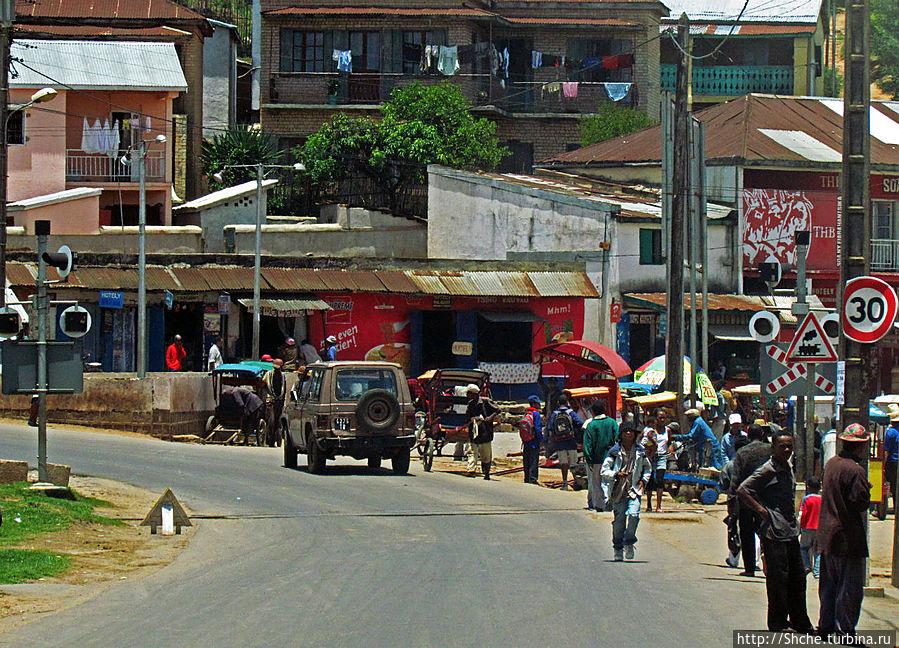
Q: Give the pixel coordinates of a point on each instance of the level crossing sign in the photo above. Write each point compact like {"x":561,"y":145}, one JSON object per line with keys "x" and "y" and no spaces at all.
{"x":810,"y":344}
{"x":869,"y":309}
{"x":781,"y":377}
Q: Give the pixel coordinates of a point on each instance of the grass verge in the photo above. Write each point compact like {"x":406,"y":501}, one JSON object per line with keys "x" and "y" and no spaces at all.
{"x":27,"y":514}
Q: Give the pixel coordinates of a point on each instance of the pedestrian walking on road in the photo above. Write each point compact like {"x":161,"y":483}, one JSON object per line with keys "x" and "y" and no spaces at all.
{"x":809,"y":511}
{"x":531,"y":431}
{"x":481,"y":414}
{"x":734,"y":432}
{"x":626,"y":470}
{"x":564,"y":426}
{"x":728,"y":485}
{"x":600,"y":433}
{"x":746,"y":462}
{"x":214,"y":359}
{"x":332,"y":347}
{"x":175,"y":354}
{"x":659,"y":436}
{"x":770,"y":491}
{"x":276,"y":392}
{"x":846,"y":495}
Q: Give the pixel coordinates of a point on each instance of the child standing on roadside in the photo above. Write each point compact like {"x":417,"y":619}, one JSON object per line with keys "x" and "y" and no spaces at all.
{"x":808,"y":526}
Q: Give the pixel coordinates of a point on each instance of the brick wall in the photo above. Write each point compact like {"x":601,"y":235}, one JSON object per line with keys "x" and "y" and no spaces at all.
{"x":179,"y":128}
{"x":191,"y":53}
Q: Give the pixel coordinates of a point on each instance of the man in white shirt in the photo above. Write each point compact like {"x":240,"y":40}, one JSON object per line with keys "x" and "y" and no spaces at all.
{"x":308,"y":353}
{"x":215,"y":355}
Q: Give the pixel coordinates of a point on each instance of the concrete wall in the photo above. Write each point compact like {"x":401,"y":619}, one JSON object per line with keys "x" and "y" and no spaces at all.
{"x":39,"y":166}
{"x":162,"y":405}
{"x":477,"y":217}
{"x":219,"y":81}
{"x":172,"y":240}
{"x":404,"y":239}
{"x":78,"y":216}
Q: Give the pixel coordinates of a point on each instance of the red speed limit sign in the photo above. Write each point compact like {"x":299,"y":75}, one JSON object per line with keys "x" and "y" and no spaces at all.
{"x":869,"y":309}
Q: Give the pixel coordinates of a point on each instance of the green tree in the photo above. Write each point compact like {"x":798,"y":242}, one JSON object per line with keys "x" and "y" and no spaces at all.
{"x":833,"y":83}
{"x":612,"y":120}
{"x":885,"y":45}
{"x":419,"y":125}
{"x":237,"y":145}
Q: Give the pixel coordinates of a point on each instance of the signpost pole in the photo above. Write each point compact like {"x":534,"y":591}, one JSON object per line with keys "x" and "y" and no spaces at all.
{"x":42,"y":229}
{"x":805,"y":404}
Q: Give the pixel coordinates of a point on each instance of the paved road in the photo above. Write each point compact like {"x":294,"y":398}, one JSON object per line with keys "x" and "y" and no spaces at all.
{"x":358,"y":557}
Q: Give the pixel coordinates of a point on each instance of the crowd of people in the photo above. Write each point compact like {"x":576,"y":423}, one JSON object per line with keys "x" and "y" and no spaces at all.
{"x":290,"y":353}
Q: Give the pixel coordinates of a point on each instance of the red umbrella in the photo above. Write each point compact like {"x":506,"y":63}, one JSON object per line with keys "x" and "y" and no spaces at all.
{"x":590,"y":356}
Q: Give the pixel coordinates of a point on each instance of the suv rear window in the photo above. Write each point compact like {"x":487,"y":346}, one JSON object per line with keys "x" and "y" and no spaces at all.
{"x":352,"y":383}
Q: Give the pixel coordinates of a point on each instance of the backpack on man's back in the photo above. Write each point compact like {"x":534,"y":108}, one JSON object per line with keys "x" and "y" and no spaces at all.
{"x":563,"y":425}
{"x":526,"y":427}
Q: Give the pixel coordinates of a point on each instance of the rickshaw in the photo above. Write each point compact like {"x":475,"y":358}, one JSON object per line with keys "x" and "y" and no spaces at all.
{"x":444,"y":401}
{"x":230,"y":416}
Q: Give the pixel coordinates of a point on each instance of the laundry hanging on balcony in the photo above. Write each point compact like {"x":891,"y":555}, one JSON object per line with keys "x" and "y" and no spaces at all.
{"x":617,"y":91}
{"x":100,"y":137}
{"x":569,"y":89}
{"x":344,"y":59}
{"x":448,"y":60}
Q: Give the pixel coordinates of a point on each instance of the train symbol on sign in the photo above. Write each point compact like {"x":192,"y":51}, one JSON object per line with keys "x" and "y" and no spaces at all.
{"x":811,"y":343}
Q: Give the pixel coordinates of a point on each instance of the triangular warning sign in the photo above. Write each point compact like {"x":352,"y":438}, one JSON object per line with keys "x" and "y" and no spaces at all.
{"x":810,"y":344}
{"x":154,"y":517}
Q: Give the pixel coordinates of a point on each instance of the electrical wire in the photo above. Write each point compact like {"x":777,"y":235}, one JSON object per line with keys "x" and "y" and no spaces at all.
{"x":719,"y":46}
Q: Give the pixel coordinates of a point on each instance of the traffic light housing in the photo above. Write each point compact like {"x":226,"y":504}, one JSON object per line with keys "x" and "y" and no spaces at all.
{"x":63,"y":260}
{"x":75,"y":321}
{"x":10,"y":324}
{"x":769,"y":272}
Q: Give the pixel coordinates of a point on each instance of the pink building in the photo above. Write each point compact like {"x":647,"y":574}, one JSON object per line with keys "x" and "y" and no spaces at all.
{"x":111,"y":95}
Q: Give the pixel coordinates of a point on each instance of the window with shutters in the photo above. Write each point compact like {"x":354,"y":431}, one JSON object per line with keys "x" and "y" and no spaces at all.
{"x":651,"y":247}
{"x":305,"y":51}
{"x":15,"y":127}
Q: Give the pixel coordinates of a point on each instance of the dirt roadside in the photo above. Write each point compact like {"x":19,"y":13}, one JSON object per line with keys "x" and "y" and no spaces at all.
{"x":102,"y":554}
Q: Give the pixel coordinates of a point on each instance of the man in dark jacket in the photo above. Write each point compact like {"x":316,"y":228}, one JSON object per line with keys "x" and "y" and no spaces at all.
{"x":746,"y":462}
{"x":563,"y":429}
{"x":845,"y":497}
{"x":771,"y":492}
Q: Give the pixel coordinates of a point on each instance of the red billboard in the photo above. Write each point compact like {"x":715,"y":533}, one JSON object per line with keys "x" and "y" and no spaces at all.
{"x":771,"y":218}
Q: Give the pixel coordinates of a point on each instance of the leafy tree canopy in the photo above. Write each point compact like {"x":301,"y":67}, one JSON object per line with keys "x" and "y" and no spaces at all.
{"x":612,"y":120}
{"x":420,"y":125}
{"x":885,"y":45}
{"x":237,"y":145}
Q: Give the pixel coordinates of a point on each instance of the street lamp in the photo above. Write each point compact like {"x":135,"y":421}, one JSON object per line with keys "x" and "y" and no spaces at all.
{"x":257,"y":263}
{"x":41,"y":96}
{"x":142,"y":253}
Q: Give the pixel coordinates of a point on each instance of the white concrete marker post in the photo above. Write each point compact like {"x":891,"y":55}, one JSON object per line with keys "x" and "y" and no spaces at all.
{"x":168,"y":520}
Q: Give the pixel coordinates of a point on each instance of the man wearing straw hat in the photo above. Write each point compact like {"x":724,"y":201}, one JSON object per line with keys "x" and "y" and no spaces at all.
{"x":845,"y":497}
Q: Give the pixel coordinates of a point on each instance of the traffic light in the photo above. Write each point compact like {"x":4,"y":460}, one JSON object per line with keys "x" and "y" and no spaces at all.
{"x":9,"y":322}
{"x":769,"y":272}
{"x":75,"y":321}
{"x":63,"y":260}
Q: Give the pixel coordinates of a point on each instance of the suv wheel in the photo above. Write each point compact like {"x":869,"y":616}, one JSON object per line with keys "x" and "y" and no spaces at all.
{"x":378,"y":411}
{"x":374,"y":462}
{"x":400,"y":462}
{"x":315,"y":458}
{"x":290,"y":452}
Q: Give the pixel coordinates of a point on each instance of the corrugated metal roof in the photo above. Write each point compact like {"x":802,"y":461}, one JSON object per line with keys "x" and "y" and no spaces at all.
{"x":286,"y":307}
{"x":750,"y":303}
{"x":159,"y":278}
{"x":88,"y":31}
{"x":191,"y":279}
{"x":517,"y":283}
{"x":396,"y":282}
{"x":742,"y":31}
{"x":114,"y":9}
{"x":732,"y":134}
{"x":427,"y":282}
{"x":231,"y":278}
{"x":20,"y":274}
{"x":562,"y":284}
{"x":293,"y":279}
{"x":606,"y":22}
{"x":97,"y":65}
{"x":782,"y":11}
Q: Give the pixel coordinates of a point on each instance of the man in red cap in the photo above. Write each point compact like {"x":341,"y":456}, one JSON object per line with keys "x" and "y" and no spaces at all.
{"x":845,"y":497}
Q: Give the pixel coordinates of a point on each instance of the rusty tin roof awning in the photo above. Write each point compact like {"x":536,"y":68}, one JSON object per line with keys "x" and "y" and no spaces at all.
{"x":287,"y":307}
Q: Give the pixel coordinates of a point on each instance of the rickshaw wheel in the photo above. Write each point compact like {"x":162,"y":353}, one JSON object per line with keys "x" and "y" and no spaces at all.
{"x":211,"y":424}
{"x":261,"y":432}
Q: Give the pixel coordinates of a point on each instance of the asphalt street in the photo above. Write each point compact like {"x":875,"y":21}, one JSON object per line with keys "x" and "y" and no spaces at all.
{"x":361,"y":557}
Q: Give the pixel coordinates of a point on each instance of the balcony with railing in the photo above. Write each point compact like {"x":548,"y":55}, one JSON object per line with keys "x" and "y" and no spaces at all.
{"x":885,"y":255}
{"x":481,"y":89}
{"x":733,"y":80}
{"x":88,"y":167}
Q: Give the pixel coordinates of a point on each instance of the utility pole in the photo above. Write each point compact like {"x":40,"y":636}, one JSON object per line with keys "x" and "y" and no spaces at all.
{"x":855,"y":190}
{"x":142,"y":262}
{"x":805,"y":403}
{"x":42,"y":229}
{"x":7,"y":17}
{"x":257,"y":259}
{"x":674,"y":354}
{"x":699,"y":181}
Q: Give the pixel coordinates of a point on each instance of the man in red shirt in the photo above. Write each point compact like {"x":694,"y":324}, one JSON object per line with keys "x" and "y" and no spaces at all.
{"x":808,"y":526}
{"x":175,"y":354}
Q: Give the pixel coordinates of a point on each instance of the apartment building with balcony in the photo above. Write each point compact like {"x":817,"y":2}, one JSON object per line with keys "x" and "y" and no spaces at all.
{"x":511,"y":57}
{"x":110,"y":97}
{"x":772,"y":47}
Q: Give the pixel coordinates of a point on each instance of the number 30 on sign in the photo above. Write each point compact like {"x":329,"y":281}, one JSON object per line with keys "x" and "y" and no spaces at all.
{"x":869,"y":309}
